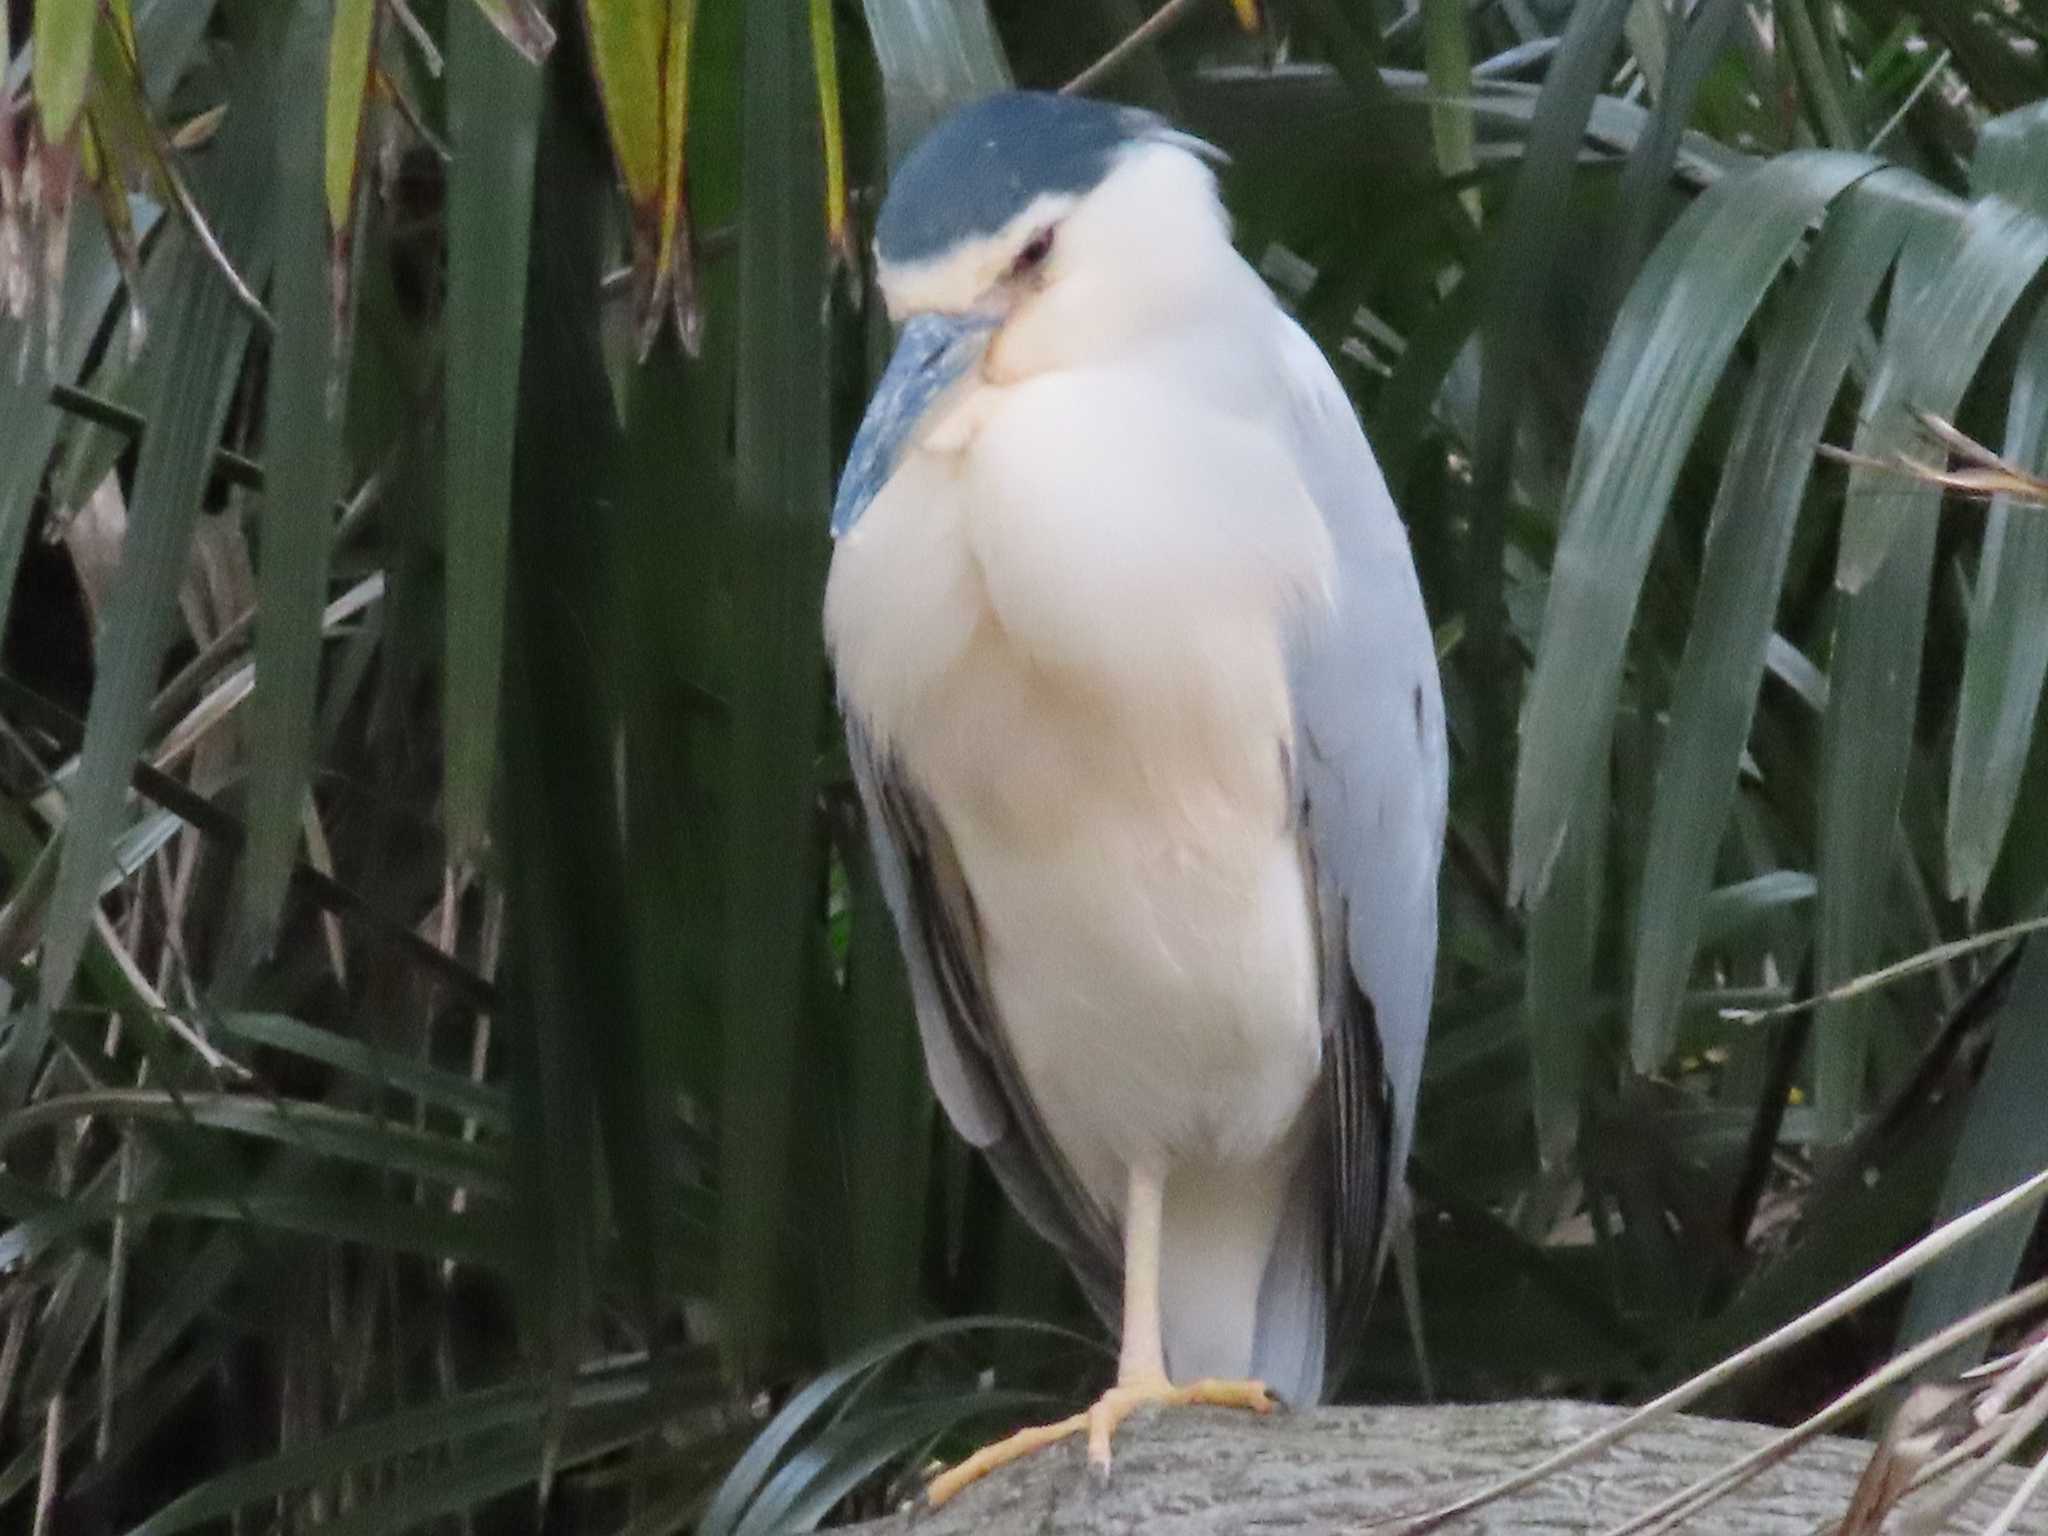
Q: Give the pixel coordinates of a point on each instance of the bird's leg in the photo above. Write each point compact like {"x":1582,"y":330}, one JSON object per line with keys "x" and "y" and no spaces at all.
{"x":1141,"y":1361}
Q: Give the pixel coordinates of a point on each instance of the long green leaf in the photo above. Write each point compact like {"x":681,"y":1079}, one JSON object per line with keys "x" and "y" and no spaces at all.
{"x":2004,"y":1139}
{"x":1997,"y":249}
{"x":784,"y":486}
{"x":302,"y":455}
{"x":807,"y":1487}
{"x":467,"y":1417}
{"x":1447,"y":51}
{"x":1748,"y":542}
{"x":1650,"y":163}
{"x":201,"y":337}
{"x":494,"y":98}
{"x":2008,"y":650}
{"x":320,"y":1129}
{"x":29,"y":423}
{"x":586,"y":1108}
{"x":755,"y":1468}
{"x":1670,"y":343}
{"x":1518,"y":274}
{"x":1957,"y":283}
{"x":476,"y":1237}
{"x":381,"y":1068}
{"x":1563,"y":942}
{"x":888,"y":1112}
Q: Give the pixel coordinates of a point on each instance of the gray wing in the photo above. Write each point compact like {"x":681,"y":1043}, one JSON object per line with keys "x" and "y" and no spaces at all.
{"x":970,"y":1065}
{"x":1370,"y":773}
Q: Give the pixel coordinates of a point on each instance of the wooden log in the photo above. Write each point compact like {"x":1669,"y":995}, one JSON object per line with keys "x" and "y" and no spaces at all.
{"x":1357,"y":1471}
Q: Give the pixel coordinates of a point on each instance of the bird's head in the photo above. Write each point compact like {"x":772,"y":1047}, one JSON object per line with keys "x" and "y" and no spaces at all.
{"x":1029,"y":232}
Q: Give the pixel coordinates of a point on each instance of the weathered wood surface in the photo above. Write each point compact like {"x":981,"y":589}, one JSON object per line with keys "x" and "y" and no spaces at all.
{"x":1212,"y":1472}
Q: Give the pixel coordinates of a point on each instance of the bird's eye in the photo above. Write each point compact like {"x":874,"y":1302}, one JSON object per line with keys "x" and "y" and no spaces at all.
{"x":1036,"y":249}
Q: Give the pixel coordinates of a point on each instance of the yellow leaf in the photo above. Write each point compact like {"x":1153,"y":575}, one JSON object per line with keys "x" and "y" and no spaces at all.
{"x":103,"y":174}
{"x":825,"y":59}
{"x":640,"y":51}
{"x":1247,"y":14}
{"x":628,"y":48}
{"x":63,"y":62}
{"x":350,"y":51}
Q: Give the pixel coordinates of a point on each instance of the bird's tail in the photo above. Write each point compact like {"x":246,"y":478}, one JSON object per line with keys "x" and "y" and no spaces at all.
{"x":1292,"y":1342}
{"x":1241,"y":1281}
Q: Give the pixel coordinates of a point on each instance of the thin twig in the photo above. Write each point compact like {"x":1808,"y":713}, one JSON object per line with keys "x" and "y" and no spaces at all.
{"x":1157,"y":24}
{"x":1919,"y":89}
{"x":1912,"y":965}
{"x":1690,"y":1500}
{"x":2022,"y":1496}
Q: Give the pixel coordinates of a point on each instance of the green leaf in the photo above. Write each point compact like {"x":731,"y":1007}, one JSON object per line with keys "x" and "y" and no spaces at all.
{"x":302,"y":452}
{"x":1448,"y":52}
{"x":1749,"y":540}
{"x":1997,"y":249}
{"x":201,"y":338}
{"x":1957,"y":282}
{"x":817,"y":1477}
{"x":888,"y":1113}
{"x":754,"y":1471}
{"x":1822,"y":85}
{"x":1640,"y":196}
{"x":779,"y":555}
{"x":1733,"y":910}
{"x":476,"y":1237}
{"x":1516,"y":275}
{"x":380,"y":1068}
{"x":2009,"y":158}
{"x":29,"y":423}
{"x":2004,"y":1141}
{"x":318,"y":1129}
{"x":1672,"y":339}
{"x":2008,"y":646}
{"x":1561,"y":1008}
{"x":63,"y":62}
{"x":471,"y":1416}
{"x":494,"y":99}
{"x":584,"y":1103}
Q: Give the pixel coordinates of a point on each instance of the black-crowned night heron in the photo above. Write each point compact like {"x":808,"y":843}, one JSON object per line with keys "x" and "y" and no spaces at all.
{"x":1145,"y":715}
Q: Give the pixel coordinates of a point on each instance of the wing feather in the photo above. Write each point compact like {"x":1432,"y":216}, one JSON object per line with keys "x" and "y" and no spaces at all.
{"x":969,"y":1062}
{"x":1370,"y":764}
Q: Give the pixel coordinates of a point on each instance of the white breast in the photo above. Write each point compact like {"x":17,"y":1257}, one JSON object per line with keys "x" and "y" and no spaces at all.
{"x":1070,"y":628}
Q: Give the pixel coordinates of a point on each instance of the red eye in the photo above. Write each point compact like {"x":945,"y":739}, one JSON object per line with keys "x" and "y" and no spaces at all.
{"x":1036,"y":249}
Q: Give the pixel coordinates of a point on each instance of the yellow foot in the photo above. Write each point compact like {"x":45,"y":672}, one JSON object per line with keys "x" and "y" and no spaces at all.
{"x":1100,"y":1422}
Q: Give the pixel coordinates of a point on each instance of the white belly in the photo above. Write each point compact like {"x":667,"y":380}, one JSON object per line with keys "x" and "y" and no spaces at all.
{"x":1148,"y":943}
{"x":1079,"y":655}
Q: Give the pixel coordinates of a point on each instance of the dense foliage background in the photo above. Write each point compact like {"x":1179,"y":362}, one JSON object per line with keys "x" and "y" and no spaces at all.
{"x":452,"y":1045}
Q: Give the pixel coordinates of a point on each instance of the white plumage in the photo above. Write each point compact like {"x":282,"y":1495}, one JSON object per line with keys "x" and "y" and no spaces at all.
{"x":1079,"y":625}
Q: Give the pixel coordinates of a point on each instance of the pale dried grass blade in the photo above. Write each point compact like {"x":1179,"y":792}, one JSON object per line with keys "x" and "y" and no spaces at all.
{"x":2022,"y":1496}
{"x":1895,"y":1271}
{"x":1691,"y":1500}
